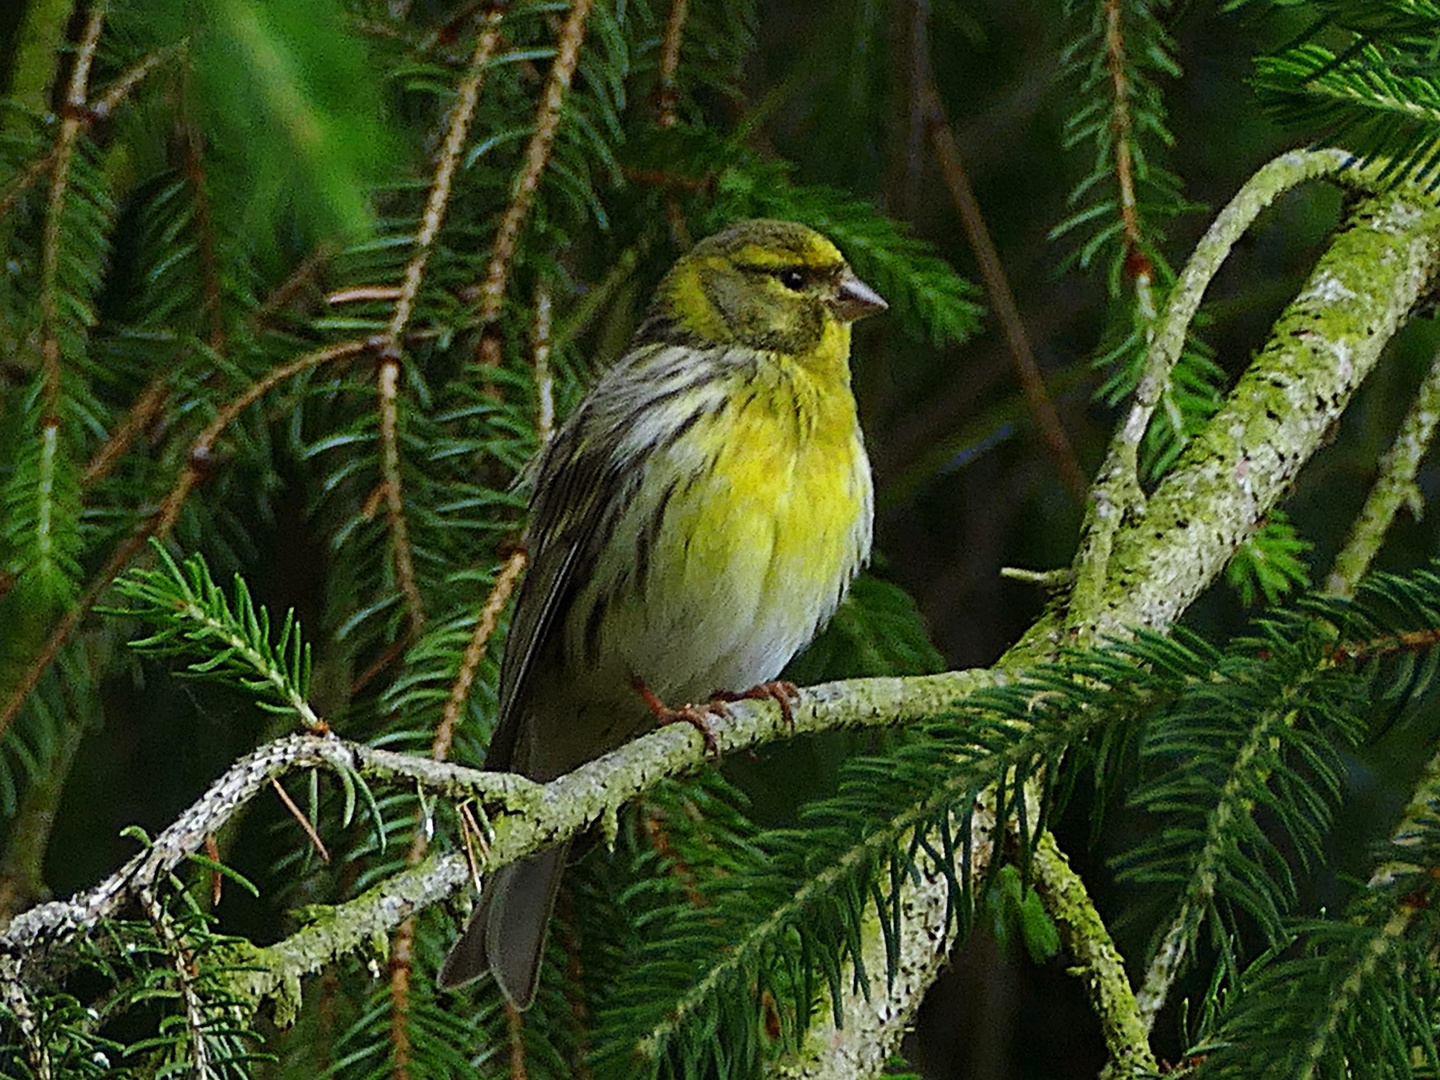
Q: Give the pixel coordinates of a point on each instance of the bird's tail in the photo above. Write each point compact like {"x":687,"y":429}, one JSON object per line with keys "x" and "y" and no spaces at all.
{"x":506,"y":935}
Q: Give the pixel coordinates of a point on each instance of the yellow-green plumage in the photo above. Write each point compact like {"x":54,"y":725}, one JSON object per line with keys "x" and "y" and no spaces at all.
{"x":693,"y":524}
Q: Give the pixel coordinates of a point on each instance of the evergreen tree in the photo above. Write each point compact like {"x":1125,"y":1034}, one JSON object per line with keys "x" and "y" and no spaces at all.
{"x":291,"y":294}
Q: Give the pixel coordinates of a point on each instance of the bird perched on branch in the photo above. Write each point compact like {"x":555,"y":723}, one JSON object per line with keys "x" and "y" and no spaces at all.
{"x":693,"y":525}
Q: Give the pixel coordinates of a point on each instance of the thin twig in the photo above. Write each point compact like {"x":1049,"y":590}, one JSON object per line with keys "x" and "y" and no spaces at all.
{"x":475,"y":652}
{"x":1002,"y":300}
{"x":1394,"y":487}
{"x":304,"y":822}
{"x":183,"y":962}
{"x":1137,"y":262}
{"x":402,"y":962}
{"x":467,"y":96}
{"x":387,"y":394}
{"x":670,"y":63}
{"x":537,"y":154}
{"x":70,"y":127}
{"x":515,"y":1030}
{"x":144,"y":410}
{"x":204,"y":237}
{"x":293,"y":283}
{"x":1096,"y":960}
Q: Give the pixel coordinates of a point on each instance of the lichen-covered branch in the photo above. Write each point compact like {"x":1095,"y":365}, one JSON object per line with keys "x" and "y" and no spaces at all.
{"x":1394,"y":487}
{"x":1116,"y":496}
{"x":1231,"y":475}
{"x":1094,"y":959}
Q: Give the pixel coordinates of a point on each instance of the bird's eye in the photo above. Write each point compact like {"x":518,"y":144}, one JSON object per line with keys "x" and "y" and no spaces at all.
{"x":792,"y":278}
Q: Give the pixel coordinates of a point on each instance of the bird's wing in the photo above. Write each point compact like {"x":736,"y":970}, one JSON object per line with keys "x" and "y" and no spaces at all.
{"x":575,"y":491}
{"x":584,"y":482}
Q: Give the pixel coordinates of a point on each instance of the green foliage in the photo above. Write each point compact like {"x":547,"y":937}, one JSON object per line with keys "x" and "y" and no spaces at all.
{"x":1016,"y":916}
{"x":256,"y":192}
{"x":1362,"y":75}
{"x":1116,"y":56}
{"x":286,"y":92}
{"x":193,"y":616}
{"x":1270,"y":563}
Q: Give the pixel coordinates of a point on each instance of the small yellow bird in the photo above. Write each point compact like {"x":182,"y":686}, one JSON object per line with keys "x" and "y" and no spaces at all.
{"x":692,"y":526}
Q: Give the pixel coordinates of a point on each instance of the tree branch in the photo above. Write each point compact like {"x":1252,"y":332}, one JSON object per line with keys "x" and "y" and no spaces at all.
{"x":1231,"y":475}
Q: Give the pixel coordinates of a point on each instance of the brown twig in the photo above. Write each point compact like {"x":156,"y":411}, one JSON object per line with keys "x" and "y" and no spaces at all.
{"x":304,"y":822}
{"x":1137,"y":263}
{"x":297,"y":280}
{"x":402,"y":963}
{"x":142,"y":412}
{"x":537,"y":154}
{"x":1002,"y":300}
{"x":467,"y":96}
{"x":198,"y":464}
{"x":387,"y":387}
{"x":670,"y":62}
{"x":184,"y":964}
{"x":475,"y":652}
{"x":101,"y":109}
{"x":515,"y":1028}
{"x":461,"y":114}
{"x":70,"y":127}
{"x":205,"y":238}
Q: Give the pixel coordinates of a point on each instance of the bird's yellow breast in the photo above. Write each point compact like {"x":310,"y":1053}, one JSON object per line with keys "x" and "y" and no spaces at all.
{"x":749,"y":550}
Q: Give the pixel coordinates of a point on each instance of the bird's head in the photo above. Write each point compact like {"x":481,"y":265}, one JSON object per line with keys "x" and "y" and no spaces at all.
{"x":775,"y":286}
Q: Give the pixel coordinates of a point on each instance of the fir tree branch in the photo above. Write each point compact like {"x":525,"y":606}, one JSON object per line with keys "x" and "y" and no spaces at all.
{"x":392,"y":489}
{"x":71,"y":124}
{"x":198,"y":464}
{"x":461,"y":114}
{"x":1238,"y":467}
{"x":142,"y":413}
{"x":537,"y":155}
{"x":861,"y":1045}
{"x":467,"y":96}
{"x":1002,"y":300}
{"x":1136,"y":262}
{"x":536,"y":815}
{"x":102,"y":109}
{"x":211,"y":312}
{"x":1394,"y":487}
{"x":183,"y":962}
{"x":1248,"y":772}
{"x":1380,"y":950}
{"x":1095,"y":960}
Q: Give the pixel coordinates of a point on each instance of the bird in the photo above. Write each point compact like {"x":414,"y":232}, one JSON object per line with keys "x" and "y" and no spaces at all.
{"x":693,"y":524}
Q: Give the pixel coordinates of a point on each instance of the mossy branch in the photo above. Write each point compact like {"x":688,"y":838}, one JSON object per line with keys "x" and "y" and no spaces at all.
{"x":1161,"y":557}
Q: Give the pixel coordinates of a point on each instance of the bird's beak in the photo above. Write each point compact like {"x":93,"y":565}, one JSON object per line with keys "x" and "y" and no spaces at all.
{"x":855,"y":299}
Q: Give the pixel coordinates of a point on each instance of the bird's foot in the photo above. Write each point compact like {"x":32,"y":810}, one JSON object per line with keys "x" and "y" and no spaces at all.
{"x":697,"y":716}
{"x":779,"y":691}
